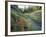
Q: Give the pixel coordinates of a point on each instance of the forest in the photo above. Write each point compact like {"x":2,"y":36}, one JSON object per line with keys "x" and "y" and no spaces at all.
{"x":26,"y":18}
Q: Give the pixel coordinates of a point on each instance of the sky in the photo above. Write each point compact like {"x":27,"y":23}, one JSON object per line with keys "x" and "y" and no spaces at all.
{"x":23,"y":6}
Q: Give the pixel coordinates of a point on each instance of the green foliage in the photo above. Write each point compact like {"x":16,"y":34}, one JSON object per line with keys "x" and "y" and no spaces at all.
{"x":34,"y":12}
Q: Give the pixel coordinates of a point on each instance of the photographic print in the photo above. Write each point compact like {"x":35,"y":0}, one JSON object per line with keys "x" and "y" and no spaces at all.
{"x":25,"y":18}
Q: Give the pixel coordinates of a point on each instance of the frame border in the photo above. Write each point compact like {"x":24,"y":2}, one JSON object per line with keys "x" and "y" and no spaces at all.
{"x":6,"y":18}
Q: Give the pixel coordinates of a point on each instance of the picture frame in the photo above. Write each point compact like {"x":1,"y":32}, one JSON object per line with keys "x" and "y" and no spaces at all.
{"x":8,"y":7}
